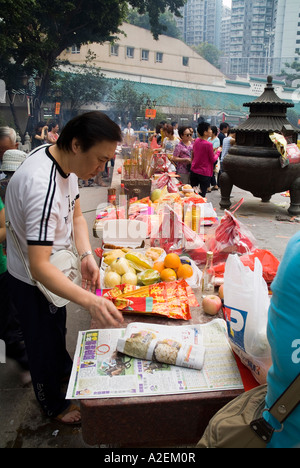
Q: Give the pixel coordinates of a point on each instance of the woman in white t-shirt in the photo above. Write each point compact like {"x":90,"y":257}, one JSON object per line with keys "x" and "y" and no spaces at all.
{"x":170,"y":141}
{"x":38,"y":201}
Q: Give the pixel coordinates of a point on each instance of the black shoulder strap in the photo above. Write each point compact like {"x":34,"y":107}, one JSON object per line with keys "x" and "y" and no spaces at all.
{"x":288,"y":401}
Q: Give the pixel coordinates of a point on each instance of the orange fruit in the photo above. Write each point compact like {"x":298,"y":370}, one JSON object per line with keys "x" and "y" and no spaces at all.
{"x":159,"y":266}
{"x":172,"y":260}
{"x":184,"y":272}
{"x":168,"y":275}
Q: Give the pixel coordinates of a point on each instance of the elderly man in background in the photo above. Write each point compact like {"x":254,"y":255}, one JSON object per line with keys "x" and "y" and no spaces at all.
{"x":10,"y":331}
{"x":8,"y":141}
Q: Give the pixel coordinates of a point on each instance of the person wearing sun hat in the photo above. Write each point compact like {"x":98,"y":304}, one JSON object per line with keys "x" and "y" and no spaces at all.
{"x":10,"y":330}
{"x":12,"y":160}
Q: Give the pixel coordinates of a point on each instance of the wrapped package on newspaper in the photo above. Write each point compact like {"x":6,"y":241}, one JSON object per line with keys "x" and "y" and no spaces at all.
{"x":156,"y":344}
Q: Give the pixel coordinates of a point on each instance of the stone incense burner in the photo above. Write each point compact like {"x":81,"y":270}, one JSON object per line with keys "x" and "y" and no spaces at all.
{"x":253,"y":164}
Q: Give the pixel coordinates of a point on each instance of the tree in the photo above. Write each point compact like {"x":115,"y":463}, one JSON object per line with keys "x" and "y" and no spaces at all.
{"x":294,"y":74}
{"x":169,"y":26}
{"x":127,"y":104}
{"x":33,"y":33}
{"x":209,"y":52}
{"x":78,"y":86}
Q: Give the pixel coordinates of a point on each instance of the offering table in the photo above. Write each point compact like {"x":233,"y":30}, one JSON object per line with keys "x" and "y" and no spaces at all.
{"x":156,"y":421}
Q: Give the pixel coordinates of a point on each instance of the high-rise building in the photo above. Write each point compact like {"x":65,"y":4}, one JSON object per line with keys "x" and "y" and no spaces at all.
{"x":252,"y":36}
{"x":201,"y":22}
{"x":264,"y":36}
{"x":287,"y":33}
{"x":225,"y":31}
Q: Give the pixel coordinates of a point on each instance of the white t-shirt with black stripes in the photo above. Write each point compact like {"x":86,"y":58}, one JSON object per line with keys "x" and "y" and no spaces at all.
{"x":37,"y":205}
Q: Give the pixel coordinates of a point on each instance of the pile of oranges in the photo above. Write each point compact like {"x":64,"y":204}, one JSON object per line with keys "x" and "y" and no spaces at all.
{"x":171,"y":269}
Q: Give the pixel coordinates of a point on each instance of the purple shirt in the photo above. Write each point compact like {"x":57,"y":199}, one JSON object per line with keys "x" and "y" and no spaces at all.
{"x":204,"y":158}
{"x":183,"y":151}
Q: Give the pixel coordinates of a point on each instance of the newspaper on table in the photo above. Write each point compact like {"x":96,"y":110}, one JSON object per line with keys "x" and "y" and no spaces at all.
{"x":100,"y":371}
{"x":160,"y":344}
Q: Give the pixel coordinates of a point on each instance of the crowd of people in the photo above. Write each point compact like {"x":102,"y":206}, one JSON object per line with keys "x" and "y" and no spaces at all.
{"x":45,"y":134}
{"x":196,"y":156}
{"x":42,"y":204}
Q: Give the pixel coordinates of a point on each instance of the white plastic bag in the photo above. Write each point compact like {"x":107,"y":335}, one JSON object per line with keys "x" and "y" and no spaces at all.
{"x":247,"y":303}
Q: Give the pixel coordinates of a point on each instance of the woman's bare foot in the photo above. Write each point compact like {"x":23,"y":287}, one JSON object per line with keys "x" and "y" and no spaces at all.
{"x":70,"y":416}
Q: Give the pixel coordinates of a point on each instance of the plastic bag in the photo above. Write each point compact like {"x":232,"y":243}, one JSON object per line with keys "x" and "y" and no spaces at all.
{"x":230,"y":236}
{"x":173,"y":235}
{"x":160,"y":163}
{"x":269,"y":263}
{"x":246,"y":305}
{"x":167,"y":179}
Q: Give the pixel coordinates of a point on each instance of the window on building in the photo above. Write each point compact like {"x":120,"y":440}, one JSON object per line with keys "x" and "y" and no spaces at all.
{"x":130,"y":52}
{"x":114,"y":50}
{"x":75,"y":49}
{"x":185,"y":61}
{"x":145,"y":55}
{"x":159,"y":57}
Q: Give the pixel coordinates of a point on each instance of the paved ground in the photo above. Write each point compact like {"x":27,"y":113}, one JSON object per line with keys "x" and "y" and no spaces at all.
{"x":21,"y":423}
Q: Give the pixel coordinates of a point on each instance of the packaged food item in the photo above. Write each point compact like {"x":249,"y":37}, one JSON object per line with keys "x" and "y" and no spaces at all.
{"x":293,"y":153}
{"x":170,"y":300}
{"x":281,"y":145}
{"x":160,"y":346}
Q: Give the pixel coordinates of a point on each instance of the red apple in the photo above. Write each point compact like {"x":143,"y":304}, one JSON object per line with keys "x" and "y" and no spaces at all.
{"x":221,"y":291}
{"x":211,"y":304}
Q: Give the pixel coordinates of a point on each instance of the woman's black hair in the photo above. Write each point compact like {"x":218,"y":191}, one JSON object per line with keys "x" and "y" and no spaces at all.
{"x":89,"y":129}
{"x":181,"y":130}
{"x":214,"y":130}
{"x":203,"y":127}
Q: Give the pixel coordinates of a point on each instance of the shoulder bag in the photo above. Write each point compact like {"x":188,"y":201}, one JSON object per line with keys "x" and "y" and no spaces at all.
{"x":241,"y":424}
{"x":67,"y":261}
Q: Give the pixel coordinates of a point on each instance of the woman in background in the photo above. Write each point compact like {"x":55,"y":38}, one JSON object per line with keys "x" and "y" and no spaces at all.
{"x":182,"y":156}
{"x":40,"y":135}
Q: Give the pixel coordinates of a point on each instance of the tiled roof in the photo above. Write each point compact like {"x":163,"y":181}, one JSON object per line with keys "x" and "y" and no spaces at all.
{"x":175,"y":96}
{"x":180,"y":97}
